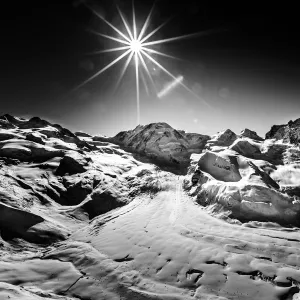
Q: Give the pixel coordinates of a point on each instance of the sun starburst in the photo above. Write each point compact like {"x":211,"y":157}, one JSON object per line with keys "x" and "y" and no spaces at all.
{"x":137,"y":46}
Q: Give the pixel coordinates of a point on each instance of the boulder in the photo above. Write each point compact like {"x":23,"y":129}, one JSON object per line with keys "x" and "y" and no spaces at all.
{"x":79,"y":186}
{"x":101,"y":202}
{"x":221,"y":167}
{"x":72,"y":163}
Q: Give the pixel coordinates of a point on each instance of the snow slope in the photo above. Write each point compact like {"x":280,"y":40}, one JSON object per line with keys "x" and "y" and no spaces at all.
{"x":90,"y":217}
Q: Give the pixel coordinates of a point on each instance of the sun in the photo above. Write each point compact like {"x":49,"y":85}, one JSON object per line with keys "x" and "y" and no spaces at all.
{"x":137,"y":46}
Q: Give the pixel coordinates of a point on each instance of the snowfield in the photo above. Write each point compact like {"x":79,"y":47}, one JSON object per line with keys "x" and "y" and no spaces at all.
{"x":153,"y":213}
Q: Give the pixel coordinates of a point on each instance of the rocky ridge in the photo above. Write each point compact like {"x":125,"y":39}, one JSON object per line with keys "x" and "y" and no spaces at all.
{"x":288,"y":133}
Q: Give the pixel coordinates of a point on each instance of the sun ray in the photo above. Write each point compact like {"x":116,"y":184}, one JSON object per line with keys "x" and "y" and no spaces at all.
{"x":159,"y":53}
{"x":102,"y":70}
{"x":110,"y":37}
{"x":145,"y":83}
{"x":159,"y":65}
{"x":147,"y":71}
{"x":137,"y":87}
{"x":154,"y":31}
{"x":134,"y":22}
{"x":138,"y":47}
{"x":181,"y":37}
{"x":146,"y":24}
{"x":123,"y":70}
{"x":174,"y":77}
{"x":109,"y":24}
{"x":109,"y":50}
{"x":125,"y":23}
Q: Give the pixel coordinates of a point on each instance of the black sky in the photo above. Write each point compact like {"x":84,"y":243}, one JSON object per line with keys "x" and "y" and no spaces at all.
{"x":254,"y":50}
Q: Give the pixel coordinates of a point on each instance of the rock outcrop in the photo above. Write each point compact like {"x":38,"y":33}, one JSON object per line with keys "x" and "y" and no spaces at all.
{"x":223,"y":138}
{"x":250,"y":179}
{"x":250,"y":134}
{"x":289,"y":133}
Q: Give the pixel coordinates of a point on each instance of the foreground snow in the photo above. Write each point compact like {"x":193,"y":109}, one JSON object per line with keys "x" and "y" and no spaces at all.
{"x":165,"y":247}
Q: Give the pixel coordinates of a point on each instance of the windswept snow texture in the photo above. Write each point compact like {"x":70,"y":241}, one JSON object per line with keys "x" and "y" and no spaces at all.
{"x":90,"y":218}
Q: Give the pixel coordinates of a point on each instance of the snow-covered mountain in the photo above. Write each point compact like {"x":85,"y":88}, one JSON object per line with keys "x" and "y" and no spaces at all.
{"x":161,"y":144}
{"x":152,"y":213}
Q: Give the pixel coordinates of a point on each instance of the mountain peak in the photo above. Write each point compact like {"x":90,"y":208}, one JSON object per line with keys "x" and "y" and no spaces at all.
{"x":250,"y":134}
{"x":161,"y":143}
{"x":155,"y":125}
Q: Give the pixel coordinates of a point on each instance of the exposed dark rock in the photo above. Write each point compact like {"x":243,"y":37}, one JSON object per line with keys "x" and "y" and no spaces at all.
{"x":82,"y":134}
{"x":292,"y":190}
{"x":251,"y":134}
{"x":34,"y":137}
{"x":101,"y":202}
{"x":72,"y":163}
{"x":289,"y":133}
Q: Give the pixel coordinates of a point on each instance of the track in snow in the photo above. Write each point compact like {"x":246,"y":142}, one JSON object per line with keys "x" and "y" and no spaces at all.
{"x":171,"y":240}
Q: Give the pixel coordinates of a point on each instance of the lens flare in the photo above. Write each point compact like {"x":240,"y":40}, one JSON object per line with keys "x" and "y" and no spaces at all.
{"x":136,"y":46}
{"x":170,"y":86}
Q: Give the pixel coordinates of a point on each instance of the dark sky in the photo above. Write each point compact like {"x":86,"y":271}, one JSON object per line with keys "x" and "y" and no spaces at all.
{"x":246,"y":69}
